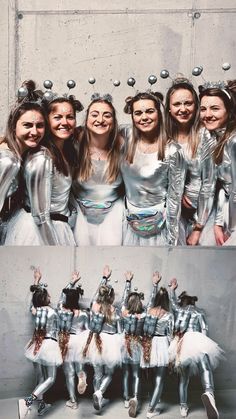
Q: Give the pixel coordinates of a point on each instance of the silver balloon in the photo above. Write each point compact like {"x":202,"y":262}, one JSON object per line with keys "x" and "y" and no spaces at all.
{"x":22,"y":92}
{"x":131,"y":81}
{"x":197,"y":71}
{"x":135,"y":289}
{"x":152,"y":79}
{"x":71,"y":84}
{"x":226,"y":66}
{"x":116,"y":83}
{"x":48,"y":95}
{"x":48,"y":84}
{"x":164,"y":74}
{"x":91,"y":80}
{"x":116,"y":280}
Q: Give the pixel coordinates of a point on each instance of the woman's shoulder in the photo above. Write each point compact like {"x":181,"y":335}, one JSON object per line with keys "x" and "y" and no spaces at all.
{"x":40,"y":154}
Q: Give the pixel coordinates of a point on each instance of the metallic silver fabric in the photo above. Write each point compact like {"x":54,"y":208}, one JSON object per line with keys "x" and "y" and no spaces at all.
{"x":47,"y":191}
{"x":9,"y":169}
{"x":149,"y":181}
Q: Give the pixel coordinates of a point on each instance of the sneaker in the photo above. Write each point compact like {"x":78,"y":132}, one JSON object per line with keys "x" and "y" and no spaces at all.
{"x":72,"y":405}
{"x":183,"y":410}
{"x":126,"y":403}
{"x":82,"y":384}
{"x":43,"y":407}
{"x":97,"y":400}
{"x":152,"y":414}
{"x":30,"y":399}
{"x":23,"y":409}
{"x":133,"y":405}
{"x":209,"y":403}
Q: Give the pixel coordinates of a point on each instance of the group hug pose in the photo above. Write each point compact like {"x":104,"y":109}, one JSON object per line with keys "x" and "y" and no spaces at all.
{"x":168,"y":178}
{"x":167,"y":331}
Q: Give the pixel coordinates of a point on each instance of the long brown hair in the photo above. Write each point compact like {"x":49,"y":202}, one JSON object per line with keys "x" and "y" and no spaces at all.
{"x":84,"y":164}
{"x":172,"y":129}
{"x":157,"y":98}
{"x":230,"y":106}
{"x":105,"y":299}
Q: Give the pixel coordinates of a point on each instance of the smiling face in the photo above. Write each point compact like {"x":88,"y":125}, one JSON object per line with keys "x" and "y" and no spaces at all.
{"x":182,"y":106}
{"x":62,"y":120}
{"x":30,"y":129}
{"x":100,"y":119}
{"x":145,"y":115}
{"x":213,"y":112}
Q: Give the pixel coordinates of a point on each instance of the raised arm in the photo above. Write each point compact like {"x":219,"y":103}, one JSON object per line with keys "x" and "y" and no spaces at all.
{"x":128,"y":278}
{"x":156,"y":278}
{"x":75,"y":277}
{"x":173,"y":299}
{"x":105,"y":276}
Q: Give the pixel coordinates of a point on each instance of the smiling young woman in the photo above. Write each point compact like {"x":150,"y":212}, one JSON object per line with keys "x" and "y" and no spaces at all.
{"x":47,"y":182}
{"x":97,"y":185}
{"x":25,"y":129}
{"x":218,"y":114}
{"x":153,"y":173}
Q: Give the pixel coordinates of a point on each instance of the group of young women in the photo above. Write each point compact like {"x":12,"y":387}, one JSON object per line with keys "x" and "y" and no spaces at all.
{"x":167,"y":179}
{"x":128,"y":334}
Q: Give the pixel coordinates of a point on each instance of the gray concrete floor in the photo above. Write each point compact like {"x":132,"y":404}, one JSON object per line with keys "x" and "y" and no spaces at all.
{"x":226,"y":403}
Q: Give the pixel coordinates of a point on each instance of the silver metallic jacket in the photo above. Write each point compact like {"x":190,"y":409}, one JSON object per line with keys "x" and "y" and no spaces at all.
{"x":189,"y":318}
{"x":9,"y":169}
{"x":47,"y":191}
{"x":164,"y":325}
{"x":96,"y":188}
{"x":48,"y":318}
{"x":149,"y":181}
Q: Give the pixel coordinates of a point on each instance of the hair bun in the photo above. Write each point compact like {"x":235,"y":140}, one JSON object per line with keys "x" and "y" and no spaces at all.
{"x":128,"y":102}
{"x":159,"y":95}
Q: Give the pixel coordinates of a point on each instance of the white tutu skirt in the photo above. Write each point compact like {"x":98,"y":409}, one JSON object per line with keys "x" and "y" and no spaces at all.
{"x":134,"y":355}
{"x":190,"y":349}
{"x":22,"y":231}
{"x":159,"y":356}
{"x":49,"y":353}
{"x":111,"y":349}
{"x":73,"y":355}
{"x":107,"y":233}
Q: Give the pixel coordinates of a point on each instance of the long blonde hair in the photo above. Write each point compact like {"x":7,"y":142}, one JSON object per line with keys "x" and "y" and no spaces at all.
{"x":84,"y":169}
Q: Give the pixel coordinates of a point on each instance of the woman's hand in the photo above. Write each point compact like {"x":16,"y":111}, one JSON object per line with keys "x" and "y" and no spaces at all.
{"x":193,"y":238}
{"x":156,"y":277}
{"x":220,"y":236}
{"x":186,"y":202}
{"x":75,"y":277}
{"x":173,"y":284}
{"x":37,"y":276}
{"x":129,"y":276}
{"x":106,"y":271}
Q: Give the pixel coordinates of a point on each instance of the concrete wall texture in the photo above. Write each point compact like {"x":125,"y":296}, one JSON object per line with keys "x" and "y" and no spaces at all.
{"x":208,"y":273}
{"x":112,"y":40}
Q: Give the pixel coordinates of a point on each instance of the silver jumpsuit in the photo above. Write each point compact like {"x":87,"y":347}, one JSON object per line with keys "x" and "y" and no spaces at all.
{"x":99,"y":208}
{"x":192,"y":350}
{"x":73,"y":323}
{"x":43,"y":220}
{"x":154,"y":191}
{"x":160,"y":331}
{"x":9,"y":169}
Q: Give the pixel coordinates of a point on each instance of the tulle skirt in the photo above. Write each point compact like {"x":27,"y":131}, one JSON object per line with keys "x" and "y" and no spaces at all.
{"x":110,"y":354}
{"x":73,"y":355}
{"x":106,"y":233}
{"x":22,"y":231}
{"x":131,"y":349}
{"x":49,"y":353}
{"x":188,"y":350}
{"x":159,"y":356}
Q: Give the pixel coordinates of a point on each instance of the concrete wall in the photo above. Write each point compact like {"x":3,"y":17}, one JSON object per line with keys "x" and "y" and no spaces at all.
{"x":207,"y":273}
{"x":112,"y":40}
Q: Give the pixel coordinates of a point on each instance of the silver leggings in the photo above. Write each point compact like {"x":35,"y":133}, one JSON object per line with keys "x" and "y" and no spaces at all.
{"x":206,"y":376}
{"x":159,"y":381}
{"x":46,"y":376}
{"x":102,"y":377}
{"x":71,"y":370}
{"x":135,"y":368}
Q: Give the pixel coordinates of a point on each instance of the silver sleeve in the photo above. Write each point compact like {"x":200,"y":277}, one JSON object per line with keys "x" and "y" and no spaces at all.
{"x":38,"y":176}
{"x":152,"y":296}
{"x":176,"y":180}
{"x":232,"y":196}
{"x":9,"y":167}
